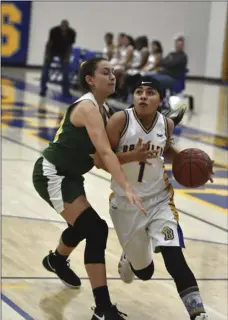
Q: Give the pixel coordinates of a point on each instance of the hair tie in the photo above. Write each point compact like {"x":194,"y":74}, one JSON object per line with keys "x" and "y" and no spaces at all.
{"x":82,"y":63}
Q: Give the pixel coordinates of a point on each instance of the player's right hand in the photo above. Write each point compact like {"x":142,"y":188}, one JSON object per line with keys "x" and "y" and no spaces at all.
{"x":142,"y":152}
{"x":134,"y":199}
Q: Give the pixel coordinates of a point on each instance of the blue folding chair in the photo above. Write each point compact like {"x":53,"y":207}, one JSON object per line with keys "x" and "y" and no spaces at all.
{"x":74,"y":65}
{"x":55,"y":72}
{"x":180,"y":87}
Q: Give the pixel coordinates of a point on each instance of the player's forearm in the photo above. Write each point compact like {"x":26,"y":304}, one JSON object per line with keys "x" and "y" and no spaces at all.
{"x":170,"y":153}
{"x":123,"y":157}
{"x":126,"y":157}
{"x":113,"y":166}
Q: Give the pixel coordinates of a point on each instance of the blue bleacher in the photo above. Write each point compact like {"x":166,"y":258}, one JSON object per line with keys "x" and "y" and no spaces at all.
{"x":179,"y":90}
{"x":79,"y":55}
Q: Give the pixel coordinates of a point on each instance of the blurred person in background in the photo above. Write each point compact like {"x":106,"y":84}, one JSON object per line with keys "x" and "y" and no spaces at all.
{"x":61,"y":39}
{"x":124,"y":53}
{"x":120,"y":41}
{"x":173,"y":66}
{"x":116,"y":56}
{"x":109,"y":49}
{"x":140,"y":55}
{"x":139,"y":59}
{"x":123,"y":59}
{"x":154,"y":58}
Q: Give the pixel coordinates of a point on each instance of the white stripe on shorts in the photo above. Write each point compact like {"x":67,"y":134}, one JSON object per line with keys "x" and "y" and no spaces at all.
{"x":54,"y":185}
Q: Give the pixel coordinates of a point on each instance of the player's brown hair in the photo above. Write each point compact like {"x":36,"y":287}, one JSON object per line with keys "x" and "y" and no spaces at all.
{"x":88,"y":68}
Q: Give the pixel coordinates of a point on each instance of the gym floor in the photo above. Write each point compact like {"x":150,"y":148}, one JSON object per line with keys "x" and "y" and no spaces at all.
{"x":30,"y":228}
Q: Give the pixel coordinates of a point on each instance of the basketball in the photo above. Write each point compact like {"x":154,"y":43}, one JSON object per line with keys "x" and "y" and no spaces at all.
{"x":192,"y":168}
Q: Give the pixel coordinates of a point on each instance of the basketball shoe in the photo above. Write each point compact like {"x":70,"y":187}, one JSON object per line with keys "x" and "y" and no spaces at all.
{"x":112,"y":313}
{"x":124,"y":269}
{"x":202,"y":316}
{"x":62,"y":269}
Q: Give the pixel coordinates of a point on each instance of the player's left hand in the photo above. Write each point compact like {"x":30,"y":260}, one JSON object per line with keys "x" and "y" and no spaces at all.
{"x":212,"y":172}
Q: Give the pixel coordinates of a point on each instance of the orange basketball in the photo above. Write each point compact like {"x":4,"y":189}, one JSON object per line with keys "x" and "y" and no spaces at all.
{"x":192,"y":168}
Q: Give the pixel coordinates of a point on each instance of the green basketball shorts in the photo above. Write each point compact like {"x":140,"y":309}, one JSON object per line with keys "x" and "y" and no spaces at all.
{"x":54,"y":188}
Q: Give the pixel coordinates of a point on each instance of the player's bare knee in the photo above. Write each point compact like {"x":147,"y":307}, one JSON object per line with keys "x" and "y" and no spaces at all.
{"x":144,"y":274}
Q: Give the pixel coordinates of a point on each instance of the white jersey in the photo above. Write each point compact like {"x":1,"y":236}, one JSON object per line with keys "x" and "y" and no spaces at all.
{"x":150,"y":62}
{"x":90,"y":96}
{"x":146,"y":179}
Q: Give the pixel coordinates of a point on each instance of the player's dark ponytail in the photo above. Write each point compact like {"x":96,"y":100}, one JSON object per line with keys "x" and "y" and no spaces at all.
{"x":176,"y":115}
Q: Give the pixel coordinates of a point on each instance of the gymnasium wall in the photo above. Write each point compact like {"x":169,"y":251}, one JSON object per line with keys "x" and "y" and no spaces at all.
{"x":202,"y":23}
{"x":216,"y":39}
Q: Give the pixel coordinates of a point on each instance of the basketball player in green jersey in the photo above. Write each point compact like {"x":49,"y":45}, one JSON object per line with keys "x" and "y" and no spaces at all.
{"x":58,"y":178}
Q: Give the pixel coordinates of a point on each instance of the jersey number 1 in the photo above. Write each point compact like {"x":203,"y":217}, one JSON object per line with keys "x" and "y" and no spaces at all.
{"x":141,"y":171}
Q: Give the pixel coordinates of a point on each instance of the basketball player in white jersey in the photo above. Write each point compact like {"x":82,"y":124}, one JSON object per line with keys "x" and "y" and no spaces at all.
{"x":139,"y":128}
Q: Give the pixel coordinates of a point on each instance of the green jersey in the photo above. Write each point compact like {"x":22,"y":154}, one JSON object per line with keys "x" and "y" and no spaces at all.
{"x":70,"y":149}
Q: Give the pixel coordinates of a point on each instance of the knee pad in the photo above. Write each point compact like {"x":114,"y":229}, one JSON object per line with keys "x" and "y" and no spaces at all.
{"x":87,"y":226}
{"x":144,"y":274}
{"x":91,"y":227}
{"x":70,"y":237}
{"x":96,"y":240}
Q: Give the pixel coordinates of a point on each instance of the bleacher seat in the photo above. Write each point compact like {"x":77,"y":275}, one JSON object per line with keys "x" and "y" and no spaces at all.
{"x":55,"y":73}
{"x":179,"y":90}
{"x":77,"y":57}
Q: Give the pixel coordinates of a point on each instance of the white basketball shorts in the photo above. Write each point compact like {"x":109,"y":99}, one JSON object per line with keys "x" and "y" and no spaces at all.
{"x":138,"y":234}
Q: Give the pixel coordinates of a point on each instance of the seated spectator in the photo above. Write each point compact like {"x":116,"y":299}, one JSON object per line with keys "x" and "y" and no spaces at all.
{"x":120,"y":41}
{"x":109,"y":49}
{"x":61,"y":39}
{"x":140,"y":56}
{"x":172,"y":67}
{"x":123,"y":59}
{"x":139,"y":59}
{"x":154,"y":58}
{"x":124,"y":53}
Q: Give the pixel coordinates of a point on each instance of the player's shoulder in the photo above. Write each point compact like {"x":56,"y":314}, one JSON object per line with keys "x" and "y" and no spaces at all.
{"x":87,"y":106}
{"x":117,"y":121}
{"x":169,"y":126}
{"x":170,"y":123}
{"x":119,"y":116}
